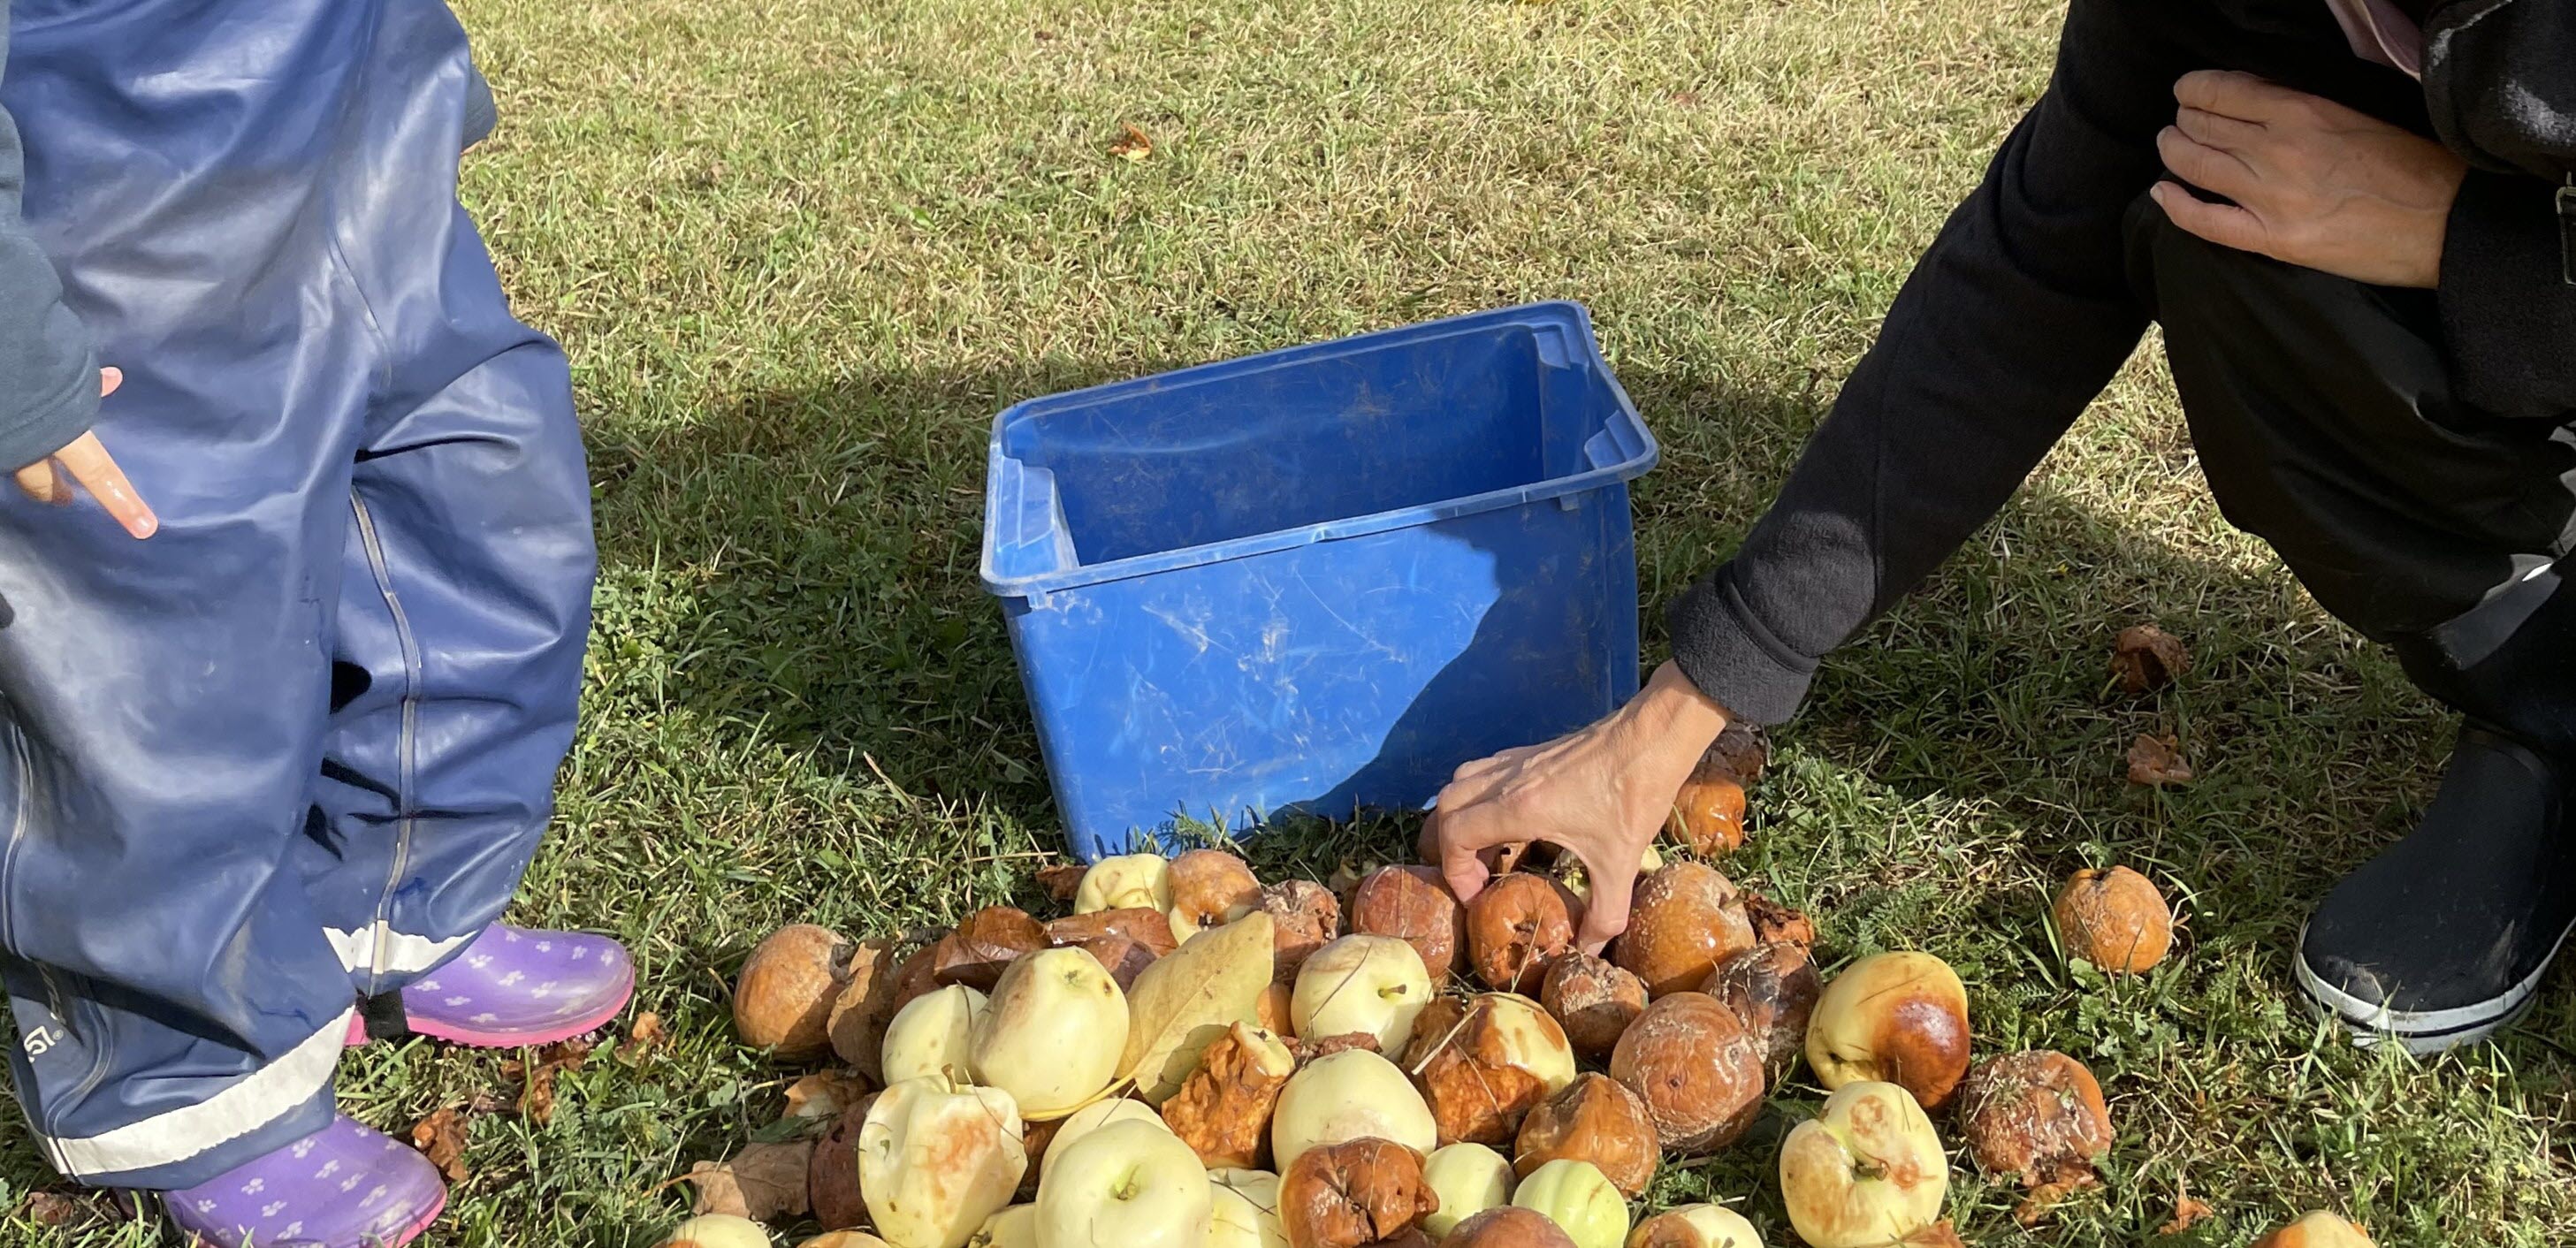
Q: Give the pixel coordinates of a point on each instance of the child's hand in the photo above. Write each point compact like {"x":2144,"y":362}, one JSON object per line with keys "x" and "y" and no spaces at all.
{"x":1600,"y":794}
{"x":49,"y":480}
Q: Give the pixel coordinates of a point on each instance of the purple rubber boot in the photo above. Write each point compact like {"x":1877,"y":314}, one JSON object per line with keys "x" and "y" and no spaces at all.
{"x":514,"y":987}
{"x":343,"y":1186}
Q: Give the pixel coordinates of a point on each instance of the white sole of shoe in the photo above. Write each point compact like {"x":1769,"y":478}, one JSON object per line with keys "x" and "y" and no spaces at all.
{"x":2422,"y":1032}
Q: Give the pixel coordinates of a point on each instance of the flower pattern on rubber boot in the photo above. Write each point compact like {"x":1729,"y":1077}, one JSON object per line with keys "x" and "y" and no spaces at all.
{"x":344,"y":1186}
{"x":512,"y":986}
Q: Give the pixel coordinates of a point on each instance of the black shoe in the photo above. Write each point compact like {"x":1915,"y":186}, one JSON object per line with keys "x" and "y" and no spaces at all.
{"x":2442,"y":939}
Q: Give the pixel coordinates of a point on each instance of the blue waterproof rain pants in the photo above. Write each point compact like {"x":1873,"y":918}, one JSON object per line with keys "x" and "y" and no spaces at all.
{"x":298,"y":747}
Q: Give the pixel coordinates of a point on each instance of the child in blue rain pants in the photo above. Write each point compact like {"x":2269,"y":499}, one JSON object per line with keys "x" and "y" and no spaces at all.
{"x":272,"y":772}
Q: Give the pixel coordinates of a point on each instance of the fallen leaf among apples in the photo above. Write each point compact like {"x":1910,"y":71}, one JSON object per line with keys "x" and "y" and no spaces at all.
{"x":2158,"y":761}
{"x":441,"y":1138}
{"x":2146,"y":658}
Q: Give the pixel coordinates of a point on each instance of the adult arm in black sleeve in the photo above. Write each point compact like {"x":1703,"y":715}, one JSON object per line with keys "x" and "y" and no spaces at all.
{"x":2500,"y":83}
{"x":2014,"y":320}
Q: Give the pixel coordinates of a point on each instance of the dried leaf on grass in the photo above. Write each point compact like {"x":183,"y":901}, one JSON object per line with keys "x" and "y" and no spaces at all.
{"x":2147,"y":658}
{"x":2157,"y":761}
{"x":644,"y":1036}
{"x":441,"y":1138}
{"x":1133,"y":145}
{"x":2034,"y":1208}
{"x":537,"y":1082}
{"x":63,"y":1210}
{"x":2188,"y":1211}
{"x":1182,"y":1003}
{"x":762,"y":1182}
{"x":826,"y":1094}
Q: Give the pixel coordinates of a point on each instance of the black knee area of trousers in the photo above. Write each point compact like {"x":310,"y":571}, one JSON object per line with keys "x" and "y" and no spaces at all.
{"x":2327,"y":423}
{"x":384,"y":1016}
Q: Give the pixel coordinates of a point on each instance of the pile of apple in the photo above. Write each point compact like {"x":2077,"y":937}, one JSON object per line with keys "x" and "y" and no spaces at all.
{"x":1193,"y":1058}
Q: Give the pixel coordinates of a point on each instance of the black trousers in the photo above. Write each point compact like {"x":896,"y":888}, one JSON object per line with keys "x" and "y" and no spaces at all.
{"x":2327,"y":425}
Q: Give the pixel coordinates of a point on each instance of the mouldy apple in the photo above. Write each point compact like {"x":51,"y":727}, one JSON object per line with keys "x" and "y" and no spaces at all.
{"x":1052,"y":1034}
{"x":1088,"y":1119}
{"x":1568,"y":871}
{"x":1126,"y":1185}
{"x":1469,"y":1179}
{"x":1304,"y":917}
{"x":1413,"y":904}
{"x":1508,"y":1227}
{"x":1350,"y":1095}
{"x":1514,"y":926}
{"x":1482,"y":1063}
{"x":1127,"y":881}
{"x":1593,"y":999}
{"x":934,"y":1036}
{"x":1708,"y":812}
{"x":783,"y":999}
{"x":1696,"y":1069}
{"x":2037,"y":1115}
{"x":1866,"y":1172}
{"x":1595,"y":1119}
{"x":2317,"y":1230}
{"x":1772,"y":989}
{"x":1354,"y":1193}
{"x":1374,"y":984}
{"x":1210,"y":888}
{"x":1579,"y":1198}
{"x":1223,"y":1109}
{"x":1695,"y":1226}
{"x":1247,"y":1210}
{"x":717,"y":1230}
{"x":2115,"y":920}
{"x":936,"y":1159}
{"x":832,"y":1172}
{"x":844,"y":1239}
{"x":1275,"y":1011}
{"x":1687,"y":918}
{"x":1900,"y":1017}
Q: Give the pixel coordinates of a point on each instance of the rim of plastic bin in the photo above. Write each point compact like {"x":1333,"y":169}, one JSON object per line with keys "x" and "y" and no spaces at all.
{"x":1624,"y":420}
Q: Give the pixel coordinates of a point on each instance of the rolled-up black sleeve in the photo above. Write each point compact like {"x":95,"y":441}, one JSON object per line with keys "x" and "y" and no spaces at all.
{"x":48,"y":374}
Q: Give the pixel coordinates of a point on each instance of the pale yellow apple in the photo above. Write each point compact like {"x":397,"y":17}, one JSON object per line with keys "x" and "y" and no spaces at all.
{"x":1867,"y":1171}
{"x":1579,"y":1199}
{"x":1053,"y":1034}
{"x":1247,"y":1210}
{"x":1126,"y":1185}
{"x":717,"y":1230}
{"x":933,"y":1035}
{"x":1469,"y":1179}
{"x":1127,"y":881}
{"x":937,"y":1158}
{"x":1895,"y":1017}
{"x":1350,"y":1095}
{"x":1696,"y":1226}
{"x":1093,"y":1117}
{"x":1363,"y":983}
{"x":1015,"y":1227}
{"x":2317,"y":1230}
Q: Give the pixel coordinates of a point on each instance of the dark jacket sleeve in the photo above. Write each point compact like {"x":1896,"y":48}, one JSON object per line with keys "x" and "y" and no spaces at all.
{"x":48,"y":377}
{"x":2500,"y":80}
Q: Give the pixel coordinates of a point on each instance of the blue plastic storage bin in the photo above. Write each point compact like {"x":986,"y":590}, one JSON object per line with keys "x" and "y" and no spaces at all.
{"x":1321,"y":578}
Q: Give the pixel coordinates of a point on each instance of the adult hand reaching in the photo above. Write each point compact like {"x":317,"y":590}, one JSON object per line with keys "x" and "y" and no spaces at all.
{"x":1600,"y":794}
{"x":86,"y":461}
{"x":2315,"y":184}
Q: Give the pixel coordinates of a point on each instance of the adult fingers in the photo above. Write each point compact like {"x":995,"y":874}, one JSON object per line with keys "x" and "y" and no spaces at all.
{"x":2224,"y":224}
{"x":108,"y":380}
{"x":1605,"y":913}
{"x":2227,"y":134}
{"x":89,"y":463}
{"x":1464,"y":833}
{"x":2204,"y":166}
{"x":2237,"y":94}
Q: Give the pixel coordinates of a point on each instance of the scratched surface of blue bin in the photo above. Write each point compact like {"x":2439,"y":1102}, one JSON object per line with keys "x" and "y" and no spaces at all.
{"x":1321,"y":578}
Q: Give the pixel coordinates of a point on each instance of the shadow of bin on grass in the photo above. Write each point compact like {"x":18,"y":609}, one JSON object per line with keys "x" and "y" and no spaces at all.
{"x":1317,"y":579}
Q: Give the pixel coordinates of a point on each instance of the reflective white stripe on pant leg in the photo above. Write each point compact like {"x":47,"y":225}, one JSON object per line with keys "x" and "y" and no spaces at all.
{"x":260,"y":1098}
{"x":403,"y":952}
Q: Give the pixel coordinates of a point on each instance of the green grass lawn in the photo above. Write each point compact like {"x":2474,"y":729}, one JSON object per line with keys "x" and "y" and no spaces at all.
{"x":801,"y":251}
